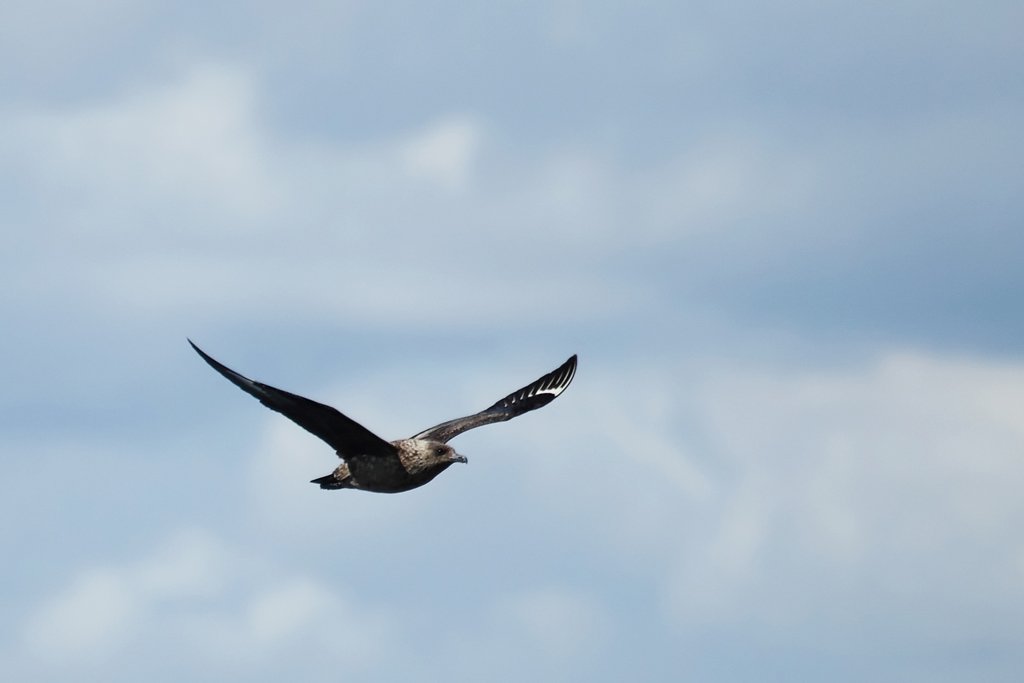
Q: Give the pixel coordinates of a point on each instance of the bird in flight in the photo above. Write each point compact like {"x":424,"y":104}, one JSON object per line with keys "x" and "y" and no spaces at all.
{"x":369,"y":462}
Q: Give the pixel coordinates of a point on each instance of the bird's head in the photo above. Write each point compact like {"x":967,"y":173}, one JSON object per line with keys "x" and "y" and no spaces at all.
{"x":423,"y":454}
{"x":442,"y":452}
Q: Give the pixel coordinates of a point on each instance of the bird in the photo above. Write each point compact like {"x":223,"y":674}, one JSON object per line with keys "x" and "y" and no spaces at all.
{"x":369,"y":463}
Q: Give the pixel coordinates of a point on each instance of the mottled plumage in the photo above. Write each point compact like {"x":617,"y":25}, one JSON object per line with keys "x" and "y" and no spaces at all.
{"x":372,"y":464}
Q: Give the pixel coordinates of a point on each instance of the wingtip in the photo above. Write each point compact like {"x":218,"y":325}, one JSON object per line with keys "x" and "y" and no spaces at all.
{"x":218,"y":366}
{"x":570,"y":367}
{"x":198,"y":350}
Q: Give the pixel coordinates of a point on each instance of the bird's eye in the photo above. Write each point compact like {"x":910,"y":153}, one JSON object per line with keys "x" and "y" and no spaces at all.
{"x":440,"y":450}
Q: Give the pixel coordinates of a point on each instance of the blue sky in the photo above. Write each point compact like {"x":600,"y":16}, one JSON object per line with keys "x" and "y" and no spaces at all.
{"x":784,"y":240}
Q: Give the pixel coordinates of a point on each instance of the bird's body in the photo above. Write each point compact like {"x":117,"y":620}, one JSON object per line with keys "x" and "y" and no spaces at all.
{"x":370,"y":463}
{"x":417,"y":462}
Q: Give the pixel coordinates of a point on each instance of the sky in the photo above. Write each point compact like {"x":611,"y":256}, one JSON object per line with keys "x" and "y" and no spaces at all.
{"x":783,"y":238}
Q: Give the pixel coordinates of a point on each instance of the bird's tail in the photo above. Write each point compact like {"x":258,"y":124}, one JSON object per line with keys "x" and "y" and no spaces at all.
{"x":331,"y":482}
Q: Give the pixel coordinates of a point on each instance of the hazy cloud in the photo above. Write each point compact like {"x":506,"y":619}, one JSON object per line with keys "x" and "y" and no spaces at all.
{"x":783,"y":240}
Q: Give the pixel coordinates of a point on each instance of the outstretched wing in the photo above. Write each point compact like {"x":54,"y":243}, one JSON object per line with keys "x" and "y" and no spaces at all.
{"x":346,"y":436}
{"x":530,"y":397}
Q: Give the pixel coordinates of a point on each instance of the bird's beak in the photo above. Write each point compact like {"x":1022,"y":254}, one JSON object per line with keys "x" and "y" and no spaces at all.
{"x":459,"y":458}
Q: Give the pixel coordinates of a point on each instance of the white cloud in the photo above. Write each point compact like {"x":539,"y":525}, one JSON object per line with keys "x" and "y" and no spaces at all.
{"x":877,"y":498}
{"x":758,"y":495}
{"x":191,"y":142}
{"x":558,"y":623}
{"x":896,"y":477}
{"x":213,"y":604}
{"x":547,"y":632}
{"x":175,"y":196}
{"x":291,"y":623}
{"x":104,"y":608}
{"x":444,"y":152}
{"x":190,"y":563}
{"x":88,"y":621}
{"x":286,"y":610}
